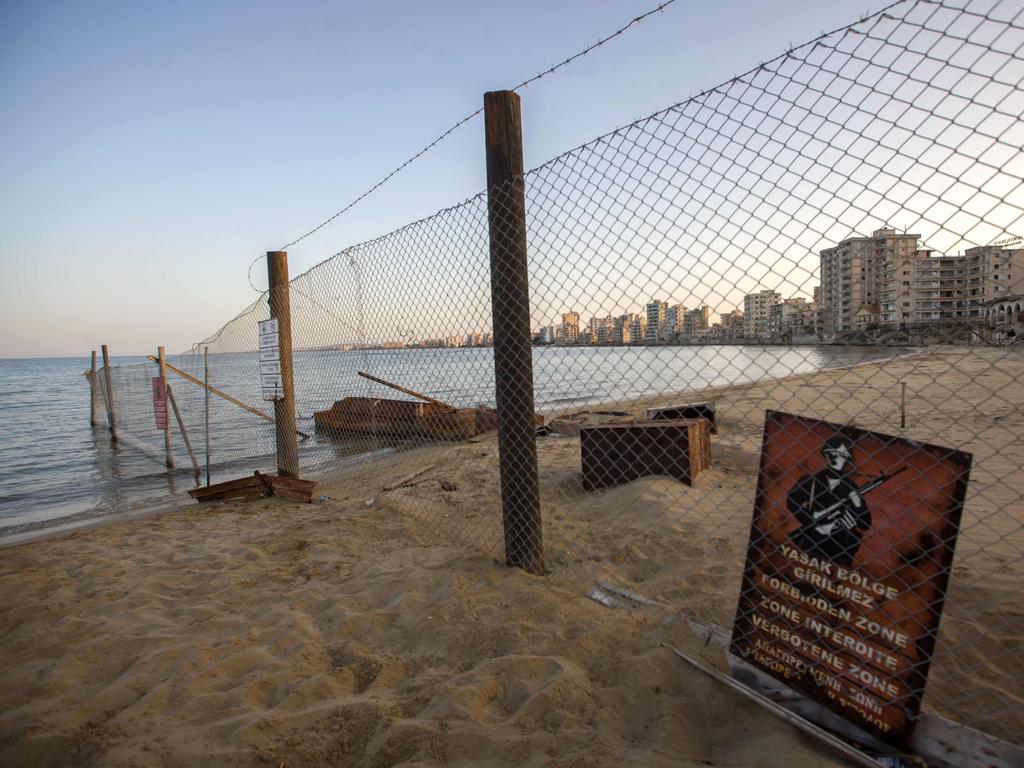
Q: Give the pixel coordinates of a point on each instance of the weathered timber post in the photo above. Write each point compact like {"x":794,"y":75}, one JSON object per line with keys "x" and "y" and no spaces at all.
{"x":111,"y":420}
{"x":513,"y":352}
{"x":162,"y":361}
{"x":284,"y":409}
{"x":92,"y":391}
{"x":206,"y":389}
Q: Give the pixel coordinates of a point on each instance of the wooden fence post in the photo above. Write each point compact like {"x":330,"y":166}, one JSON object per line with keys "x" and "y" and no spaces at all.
{"x":92,"y":391}
{"x":111,"y":419}
{"x":162,"y":361}
{"x":284,"y":409}
{"x":513,"y":350}
{"x":206,"y":390}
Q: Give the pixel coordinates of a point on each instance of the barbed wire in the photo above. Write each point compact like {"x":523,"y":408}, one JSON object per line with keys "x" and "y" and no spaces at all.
{"x":467,"y":118}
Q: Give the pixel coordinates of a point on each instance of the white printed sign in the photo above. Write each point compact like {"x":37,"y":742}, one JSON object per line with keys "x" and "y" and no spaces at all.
{"x":270,"y":361}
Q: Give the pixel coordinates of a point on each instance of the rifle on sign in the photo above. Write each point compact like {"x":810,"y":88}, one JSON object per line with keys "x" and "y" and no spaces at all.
{"x":831,"y":513}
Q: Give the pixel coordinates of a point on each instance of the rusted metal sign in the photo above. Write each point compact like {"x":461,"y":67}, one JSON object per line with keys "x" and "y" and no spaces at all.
{"x":850,"y":552}
{"x":160,"y":402}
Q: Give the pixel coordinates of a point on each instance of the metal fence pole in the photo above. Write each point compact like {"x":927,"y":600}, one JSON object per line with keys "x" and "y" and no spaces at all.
{"x":284,"y":409}
{"x":513,"y":352}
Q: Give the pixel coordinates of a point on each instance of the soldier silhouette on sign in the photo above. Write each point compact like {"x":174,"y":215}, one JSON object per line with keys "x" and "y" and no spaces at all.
{"x":830,"y":508}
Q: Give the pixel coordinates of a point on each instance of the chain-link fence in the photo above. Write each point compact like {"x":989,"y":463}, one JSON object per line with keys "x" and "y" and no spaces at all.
{"x":847,"y":211}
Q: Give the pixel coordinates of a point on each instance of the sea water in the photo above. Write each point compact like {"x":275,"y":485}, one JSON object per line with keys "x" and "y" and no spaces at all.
{"x":58,"y":472}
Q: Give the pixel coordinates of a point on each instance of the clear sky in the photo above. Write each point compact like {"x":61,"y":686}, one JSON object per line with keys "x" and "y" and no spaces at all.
{"x":149,"y":151}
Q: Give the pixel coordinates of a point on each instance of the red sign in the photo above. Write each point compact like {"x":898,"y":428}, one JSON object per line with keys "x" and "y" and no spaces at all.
{"x":850,"y":553}
{"x":159,"y":402}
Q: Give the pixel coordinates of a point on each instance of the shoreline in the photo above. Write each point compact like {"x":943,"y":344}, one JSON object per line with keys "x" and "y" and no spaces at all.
{"x":384,"y":624}
{"x":149,"y":506}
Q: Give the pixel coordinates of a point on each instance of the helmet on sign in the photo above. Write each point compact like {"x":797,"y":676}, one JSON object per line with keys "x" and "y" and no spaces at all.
{"x":838,"y":446}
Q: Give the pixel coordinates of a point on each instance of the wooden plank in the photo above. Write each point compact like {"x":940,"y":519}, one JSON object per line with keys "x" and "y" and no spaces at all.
{"x":410,"y":392}
{"x":221,"y":394}
{"x":292,"y":483}
{"x":181,"y":428}
{"x":293,"y":495}
{"x":227,"y":485}
{"x":111,"y":419}
{"x":407,"y":478}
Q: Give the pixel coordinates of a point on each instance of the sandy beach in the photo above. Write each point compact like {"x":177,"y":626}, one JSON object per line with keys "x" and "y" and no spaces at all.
{"x":381,"y":628}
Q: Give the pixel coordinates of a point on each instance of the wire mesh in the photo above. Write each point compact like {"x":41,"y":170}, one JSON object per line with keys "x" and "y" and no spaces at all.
{"x":847,"y":211}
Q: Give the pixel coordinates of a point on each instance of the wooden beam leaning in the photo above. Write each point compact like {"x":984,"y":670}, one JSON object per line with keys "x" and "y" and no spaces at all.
{"x":513,"y":349}
{"x":162,"y":362}
{"x":111,"y":419}
{"x":221,"y":394}
{"x":410,"y":392}
{"x":181,"y":428}
{"x":284,"y":409}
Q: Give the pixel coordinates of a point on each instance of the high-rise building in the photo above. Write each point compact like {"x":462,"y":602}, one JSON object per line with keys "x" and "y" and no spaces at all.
{"x":755,"y":314}
{"x":602,"y":330}
{"x":655,"y":317}
{"x":696,"y":320}
{"x":673,"y":321}
{"x":886,"y":279}
{"x":851,"y":276}
{"x":624,"y":329}
{"x":570,"y":328}
{"x":638,"y":329}
{"x":929,"y":288}
{"x":791,"y":317}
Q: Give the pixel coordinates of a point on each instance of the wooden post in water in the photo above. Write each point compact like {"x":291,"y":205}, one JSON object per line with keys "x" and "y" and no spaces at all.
{"x":92,"y":391}
{"x":284,"y":409}
{"x":111,"y":419}
{"x":167,"y":421}
{"x":513,"y":351}
{"x":206,"y":389}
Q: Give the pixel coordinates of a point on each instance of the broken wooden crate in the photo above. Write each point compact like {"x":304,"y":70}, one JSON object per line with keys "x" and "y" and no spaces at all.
{"x":685,"y":411}
{"x":613,"y":454}
{"x":257,"y":486}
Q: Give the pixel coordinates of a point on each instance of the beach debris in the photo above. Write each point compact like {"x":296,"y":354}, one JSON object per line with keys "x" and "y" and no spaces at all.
{"x":685,"y":411}
{"x":570,"y":424}
{"x":599,"y":596}
{"x":614,"y":454}
{"x":369,"y":501}
{"x":407,"y":479}
{"x":257,"y":486}
{"x":405,"y":419}
{"x":623,"y":592}
{"x":324,"y":499}
{"x":447,"y":485}
{"x":806,"y":726}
